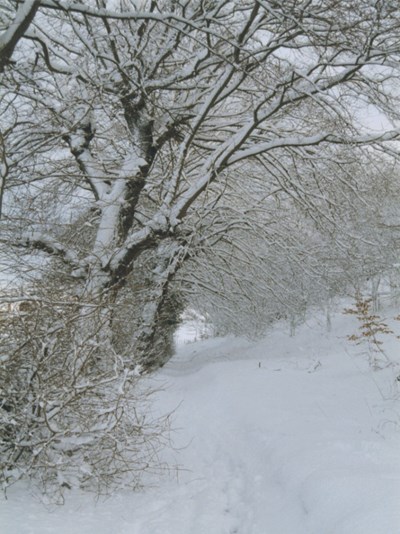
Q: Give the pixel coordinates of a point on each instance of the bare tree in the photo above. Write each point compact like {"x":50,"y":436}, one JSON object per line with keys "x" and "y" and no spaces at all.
{"x":144,"y":145}
{"x":156,"y":105}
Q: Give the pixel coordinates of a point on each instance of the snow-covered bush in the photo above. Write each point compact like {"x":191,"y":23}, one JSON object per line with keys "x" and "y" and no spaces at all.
{"x":72,"y":411}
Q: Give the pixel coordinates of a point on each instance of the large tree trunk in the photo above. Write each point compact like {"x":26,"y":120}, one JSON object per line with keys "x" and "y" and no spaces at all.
{"x":147,"y":312}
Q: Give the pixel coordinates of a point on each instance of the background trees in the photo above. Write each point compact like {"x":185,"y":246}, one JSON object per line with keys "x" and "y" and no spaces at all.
{"x":204,"y":151}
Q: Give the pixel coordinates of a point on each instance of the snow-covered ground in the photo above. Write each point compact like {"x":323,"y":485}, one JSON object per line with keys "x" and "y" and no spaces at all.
{"x":284,"y":436}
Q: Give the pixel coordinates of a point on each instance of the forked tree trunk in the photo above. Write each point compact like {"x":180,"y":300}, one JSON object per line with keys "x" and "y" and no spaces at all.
{"x":135,"y":318}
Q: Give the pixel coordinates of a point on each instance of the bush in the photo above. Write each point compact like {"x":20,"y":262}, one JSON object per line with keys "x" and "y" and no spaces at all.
{"x":72,"y":412}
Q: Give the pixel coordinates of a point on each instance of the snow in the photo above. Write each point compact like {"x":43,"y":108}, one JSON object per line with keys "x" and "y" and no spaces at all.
{"x":282,"y":436}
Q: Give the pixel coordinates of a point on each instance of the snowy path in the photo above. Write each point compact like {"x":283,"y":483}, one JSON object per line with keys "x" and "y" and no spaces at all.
{"x":295,"y":443}
{"x":285,"y":436}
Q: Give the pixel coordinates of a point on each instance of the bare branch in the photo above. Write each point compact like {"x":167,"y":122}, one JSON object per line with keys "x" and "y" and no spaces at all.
{"x":9,"y":39}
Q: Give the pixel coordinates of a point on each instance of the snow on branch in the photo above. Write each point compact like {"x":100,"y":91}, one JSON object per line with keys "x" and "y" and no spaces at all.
{"x":312,"y":140}
{"x":79,"y":142}
{"x":50,"y":245}
{"x":102,"y":13}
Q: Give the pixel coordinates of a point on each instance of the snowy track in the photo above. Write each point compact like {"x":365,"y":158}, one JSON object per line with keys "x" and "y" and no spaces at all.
{"x":285,"y":436}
